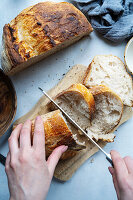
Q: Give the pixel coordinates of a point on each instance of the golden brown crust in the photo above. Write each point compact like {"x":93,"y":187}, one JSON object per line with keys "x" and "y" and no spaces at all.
{"x":42,"y":27}
{"x":103,"y":89}
{"x":11,"y":48}
{"x":57,"y":133}
{"x":100,"y":89}
{"x":83,"y":92}
{"x":68,"y":154}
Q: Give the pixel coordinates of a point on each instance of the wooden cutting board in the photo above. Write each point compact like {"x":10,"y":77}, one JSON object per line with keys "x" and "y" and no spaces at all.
{"x":65,"y":169}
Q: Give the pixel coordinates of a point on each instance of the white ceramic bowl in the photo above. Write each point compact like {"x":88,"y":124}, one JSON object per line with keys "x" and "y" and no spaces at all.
{"x":128,"y":56}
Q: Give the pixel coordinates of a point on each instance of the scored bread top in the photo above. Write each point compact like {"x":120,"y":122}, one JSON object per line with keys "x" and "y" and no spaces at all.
{"x":41,"y":27}
{"x":109,"y":70}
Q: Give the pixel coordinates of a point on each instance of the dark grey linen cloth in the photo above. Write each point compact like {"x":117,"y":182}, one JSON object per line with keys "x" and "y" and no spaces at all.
{"x":112,"y":18}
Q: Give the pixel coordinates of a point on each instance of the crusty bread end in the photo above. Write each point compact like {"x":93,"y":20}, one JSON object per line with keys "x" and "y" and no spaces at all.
{"x":57,"y":132}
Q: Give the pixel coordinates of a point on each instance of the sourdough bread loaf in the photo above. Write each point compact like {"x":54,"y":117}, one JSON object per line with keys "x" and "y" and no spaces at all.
{"x":109,"y":70}
{"x":39,"y":31}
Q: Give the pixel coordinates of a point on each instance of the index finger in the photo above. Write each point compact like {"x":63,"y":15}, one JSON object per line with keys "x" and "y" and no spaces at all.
{"x":129,"y":163}
{"x":39,"y":137}
{"x":13,"y":139}
{"x":119,"y":165}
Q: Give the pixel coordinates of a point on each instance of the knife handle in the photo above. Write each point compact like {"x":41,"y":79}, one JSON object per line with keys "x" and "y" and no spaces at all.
{"x":108,"y":157}
{"x":2,"y":159}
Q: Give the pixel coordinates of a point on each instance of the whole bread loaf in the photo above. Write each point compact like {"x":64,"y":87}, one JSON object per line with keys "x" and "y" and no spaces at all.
{"x":39,"y":31}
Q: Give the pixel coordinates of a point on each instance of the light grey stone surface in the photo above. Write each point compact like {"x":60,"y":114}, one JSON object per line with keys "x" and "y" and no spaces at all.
{"x":92,"y":180}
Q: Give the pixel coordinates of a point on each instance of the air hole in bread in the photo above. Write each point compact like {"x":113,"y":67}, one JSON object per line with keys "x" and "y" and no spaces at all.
{"x":114,"y":112}
{"x":107,"y":76}
{"x":112,"y":63}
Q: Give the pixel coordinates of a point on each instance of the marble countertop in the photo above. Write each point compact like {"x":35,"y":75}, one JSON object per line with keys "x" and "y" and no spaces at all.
{"x":92,"y":180}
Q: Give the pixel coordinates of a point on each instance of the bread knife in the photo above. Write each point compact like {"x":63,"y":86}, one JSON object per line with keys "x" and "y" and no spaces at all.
{"x":2,"y":159}
{"x":108,"y":156}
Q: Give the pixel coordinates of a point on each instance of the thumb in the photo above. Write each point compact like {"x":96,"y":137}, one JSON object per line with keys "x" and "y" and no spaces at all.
{"x":54,"y":158}
{"x":112,"y":172}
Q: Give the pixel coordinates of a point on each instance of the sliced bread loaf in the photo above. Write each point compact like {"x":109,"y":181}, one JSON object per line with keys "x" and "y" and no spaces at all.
{"x":109,"y":70}
{"x":98,"y":121}
{"x":108,"y":112}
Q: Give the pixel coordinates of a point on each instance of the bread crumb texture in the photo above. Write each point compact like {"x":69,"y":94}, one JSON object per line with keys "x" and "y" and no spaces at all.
{"x":108,"y":113}
{"x":109,"y":70}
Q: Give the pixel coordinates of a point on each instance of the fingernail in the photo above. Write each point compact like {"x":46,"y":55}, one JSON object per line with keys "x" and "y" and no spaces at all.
{"x":111,"y":170}
{"x":28,"y":120}
{"x":38,"y":118}
{"x":111,"y":151}
{"x":64,"y":148}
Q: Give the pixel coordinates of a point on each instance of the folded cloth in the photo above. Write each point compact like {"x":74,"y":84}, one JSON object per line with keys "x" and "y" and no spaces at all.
{"x":112,"y":18}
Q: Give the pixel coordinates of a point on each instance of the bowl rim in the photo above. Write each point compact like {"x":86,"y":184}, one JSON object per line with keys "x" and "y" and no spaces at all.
{"x":15,"y":102}
{"x":127,"y":45}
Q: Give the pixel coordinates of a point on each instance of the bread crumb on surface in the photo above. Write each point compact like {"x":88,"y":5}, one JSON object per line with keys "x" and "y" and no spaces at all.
{"x":92,"y":160}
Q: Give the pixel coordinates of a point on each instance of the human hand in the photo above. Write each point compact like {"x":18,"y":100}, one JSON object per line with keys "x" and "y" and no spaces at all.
{"x":29,"y":174}
{"x":122,"y":175}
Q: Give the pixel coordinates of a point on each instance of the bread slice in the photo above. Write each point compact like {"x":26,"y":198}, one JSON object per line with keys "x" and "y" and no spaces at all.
{"x":57,"y":132}
{"x":39,"y":31}
{"x":109,"y":70}
{"x":78,"y":102}
{"x":108,"y":113}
